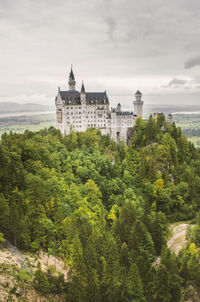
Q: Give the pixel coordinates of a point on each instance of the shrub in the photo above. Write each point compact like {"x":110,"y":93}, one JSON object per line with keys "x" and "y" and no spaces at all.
{"x":40,"y":282}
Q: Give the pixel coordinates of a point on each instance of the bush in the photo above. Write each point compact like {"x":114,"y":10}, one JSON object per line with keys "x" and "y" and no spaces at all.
{"x":48,"y":282}
{"x":40,"y":282}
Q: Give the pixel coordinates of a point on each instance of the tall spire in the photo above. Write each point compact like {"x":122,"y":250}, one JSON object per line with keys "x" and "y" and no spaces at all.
{"x":71,"y":75}
{"x":71,"y":81}
{"x":82,"y":88}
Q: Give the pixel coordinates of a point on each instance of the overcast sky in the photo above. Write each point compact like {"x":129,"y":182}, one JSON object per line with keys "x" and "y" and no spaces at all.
{"x":117,"y":45}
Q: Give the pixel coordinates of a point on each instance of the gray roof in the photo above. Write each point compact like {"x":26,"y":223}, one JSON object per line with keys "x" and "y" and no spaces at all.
{"x":74,"y":97}
{"x":122,"y":112}
{"x":99,"y":96}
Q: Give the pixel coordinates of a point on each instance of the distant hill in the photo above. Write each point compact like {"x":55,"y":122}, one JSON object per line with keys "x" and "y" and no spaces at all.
{"x":166,"y":109}
{"x":7,"y":107}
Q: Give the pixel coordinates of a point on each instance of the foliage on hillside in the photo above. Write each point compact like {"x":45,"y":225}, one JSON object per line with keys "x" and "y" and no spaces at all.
{"x":104,"y":208}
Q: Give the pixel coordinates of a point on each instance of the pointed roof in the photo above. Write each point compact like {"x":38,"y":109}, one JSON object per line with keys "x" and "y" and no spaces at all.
{"x":71,"y":75}
{"x":138,"y":92}
{"x":82,"y":88}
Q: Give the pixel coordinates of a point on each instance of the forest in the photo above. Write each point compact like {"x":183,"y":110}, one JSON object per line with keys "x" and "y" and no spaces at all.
{"x":104,"y":209}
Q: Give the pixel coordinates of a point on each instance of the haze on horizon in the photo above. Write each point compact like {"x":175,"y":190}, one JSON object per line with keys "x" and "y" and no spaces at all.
{"x":117,"y":45}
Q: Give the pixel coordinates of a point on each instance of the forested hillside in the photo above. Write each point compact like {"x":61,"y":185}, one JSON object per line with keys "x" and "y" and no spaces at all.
{"x":104,"y":209}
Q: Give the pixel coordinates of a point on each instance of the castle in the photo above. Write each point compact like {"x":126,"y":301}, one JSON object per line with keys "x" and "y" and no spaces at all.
{"x":79,"y":111}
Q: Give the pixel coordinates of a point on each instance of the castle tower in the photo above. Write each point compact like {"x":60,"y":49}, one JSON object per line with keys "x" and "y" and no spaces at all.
{"x":83,"y":94}
{"x":71,"y":82}
{"x":118,"y":109}
{"x":138,"y":104}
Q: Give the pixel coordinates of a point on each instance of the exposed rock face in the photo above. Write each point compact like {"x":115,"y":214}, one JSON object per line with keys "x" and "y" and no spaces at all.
{"x":13,"y":263}
{"x":178,"y":239}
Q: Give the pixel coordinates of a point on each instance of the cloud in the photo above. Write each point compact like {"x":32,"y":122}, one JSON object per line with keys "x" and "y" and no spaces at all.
{"x":104,"y":39}
{"x":111,"y":23}
{"x":176,"y":82}
{"x":192,"y":62}
{"x":22,"y":99}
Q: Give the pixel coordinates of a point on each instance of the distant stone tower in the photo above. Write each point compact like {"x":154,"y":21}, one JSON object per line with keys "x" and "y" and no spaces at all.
{"x":71,"y":82}
{"x":138,"y":104}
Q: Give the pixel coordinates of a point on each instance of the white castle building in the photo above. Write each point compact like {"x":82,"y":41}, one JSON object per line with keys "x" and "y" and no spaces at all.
{"x":79,"y":111}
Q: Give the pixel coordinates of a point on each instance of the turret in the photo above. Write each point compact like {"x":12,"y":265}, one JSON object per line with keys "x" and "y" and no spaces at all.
{"x":138,"y":96}
{"x":118,"y":109}
{"x":58,"y":100}
{"x":71,"y":82}
{"x":83,"y":94}
{"x":138,"y":104}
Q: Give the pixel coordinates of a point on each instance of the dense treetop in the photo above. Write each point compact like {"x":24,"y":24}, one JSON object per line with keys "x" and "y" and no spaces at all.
{"x":105,"y":208}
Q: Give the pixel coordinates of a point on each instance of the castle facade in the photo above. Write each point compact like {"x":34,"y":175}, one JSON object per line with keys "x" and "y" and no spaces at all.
{"x":79,"y":111}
